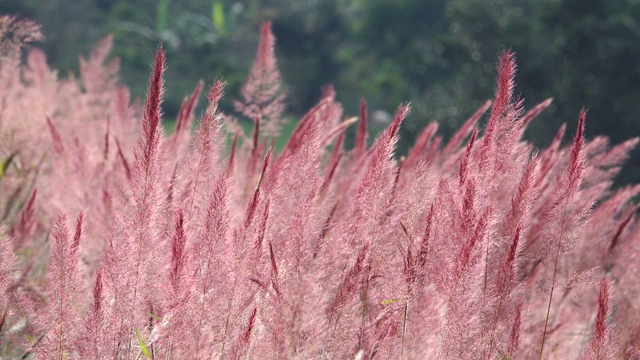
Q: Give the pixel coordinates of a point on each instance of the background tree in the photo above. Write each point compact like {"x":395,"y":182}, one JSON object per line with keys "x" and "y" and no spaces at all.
{"x":437,"y":54}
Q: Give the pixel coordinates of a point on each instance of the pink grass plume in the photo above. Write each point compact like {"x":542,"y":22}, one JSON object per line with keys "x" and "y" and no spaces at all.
{"x":600,"y":346}
{"x":149,"y":141}
{"x":61,"y":314}
{"x":262,"y":92}
{"x":361,"y":135}
{"x":58,"y":144}
{"x":466,"y":128}
{"x":186,"y":112}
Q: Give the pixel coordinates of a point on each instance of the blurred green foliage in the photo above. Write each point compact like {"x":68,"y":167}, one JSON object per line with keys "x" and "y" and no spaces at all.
{"x":438,"y":54}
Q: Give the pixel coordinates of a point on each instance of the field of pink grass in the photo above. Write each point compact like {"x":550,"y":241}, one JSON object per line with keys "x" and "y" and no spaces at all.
{"x":121,"y":242}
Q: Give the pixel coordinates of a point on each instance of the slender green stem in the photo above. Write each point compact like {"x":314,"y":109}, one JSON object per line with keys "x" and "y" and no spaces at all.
{"x":404,"y":326}
{"x":494,"y":326}
{"x":553,"y":283}
{"x":486,"y":269}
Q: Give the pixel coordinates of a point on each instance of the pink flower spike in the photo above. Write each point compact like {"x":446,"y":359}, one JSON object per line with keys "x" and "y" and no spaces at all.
{"x":185,"y":114}
{"x":465,"y":129}
{"x":601,"y":345}
{"x":465,"y":256}
{"x":503,"y":98}
{"x":58,"y":145}
{"x":253,"y":203}
{"x":232,"y":155}
{"x":96,"y":306}
{"x":622,"y":227}
{"x":149,"y":142}
{"x":350,"y":283}
{"x":603,"y":311}
{"x":464,"y":163}
{"x":361,"y":135}
{"x":262,"y":92}
{"x":106,"y":138}
{"x":514,"y":337}
{"x":242,"y":343}
{"x":401,"y":114}
{"x":23,"y":230}
{"x":421,"y":145}
{"x":177,"y":252}
{"x":535,"y":111}
{"x":125,"y":163}
{"x":76,"y":238}
{"x":423,"y":252}
{"x":576,"y":159}
{"x":61,"y":314}
{"x":504,"y":92}
{"x":91,"y":344}
{"x":215,"y":94}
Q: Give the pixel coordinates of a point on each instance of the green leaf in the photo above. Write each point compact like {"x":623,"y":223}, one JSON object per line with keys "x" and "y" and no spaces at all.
{"x":154,"y":316}
{"x":390,"y":301}
{"x":143,"y":346}
{"x":162,"y":13}
{"x":218,"y":17}
{"x":6,"y":163}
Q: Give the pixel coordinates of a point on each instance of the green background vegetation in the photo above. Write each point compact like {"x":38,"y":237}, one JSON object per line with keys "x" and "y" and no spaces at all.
{"x":440,"y":55}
